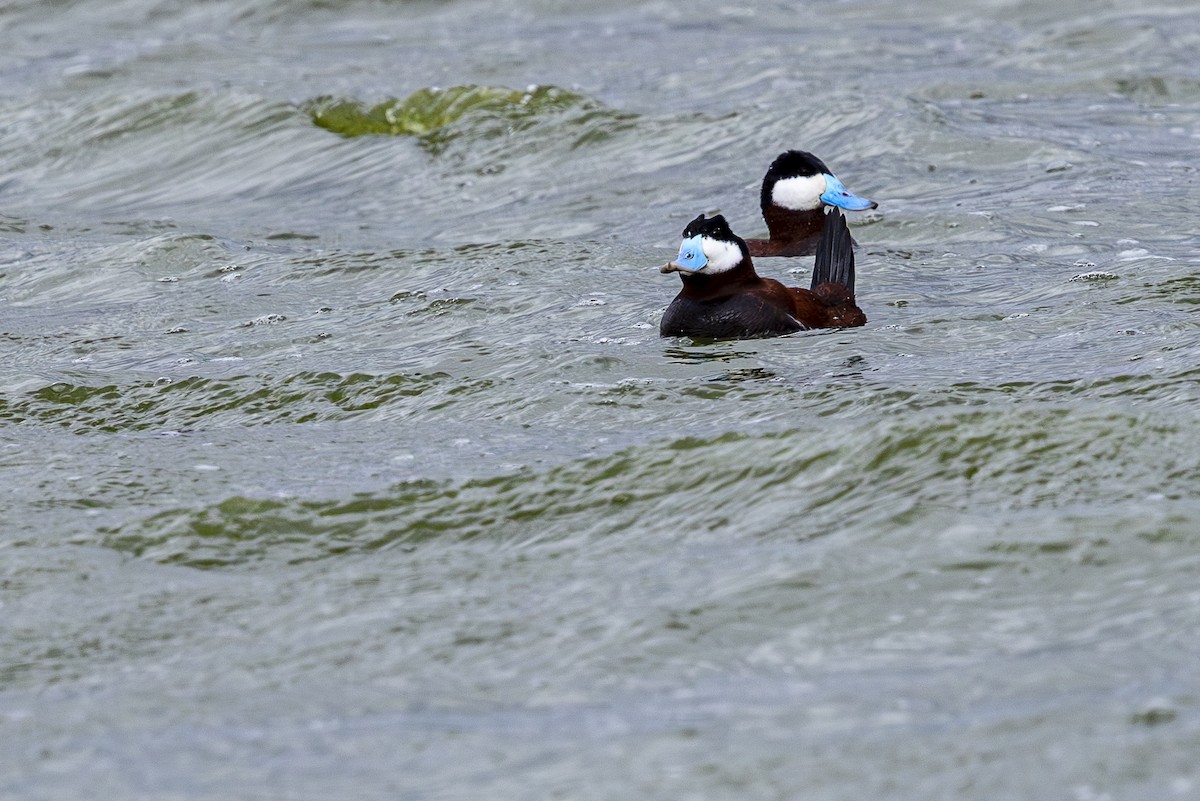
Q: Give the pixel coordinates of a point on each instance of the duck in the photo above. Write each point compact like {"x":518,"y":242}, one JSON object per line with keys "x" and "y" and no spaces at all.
{"x":796,"y":190}
{"x":724,"y":298}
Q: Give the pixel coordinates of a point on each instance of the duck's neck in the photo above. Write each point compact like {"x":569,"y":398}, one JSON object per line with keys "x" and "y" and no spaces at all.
{"x":701,"y":286}
{"x":793,"y":233}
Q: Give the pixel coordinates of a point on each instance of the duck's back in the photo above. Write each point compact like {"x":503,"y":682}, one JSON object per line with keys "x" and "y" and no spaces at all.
{"x":736,"y":316}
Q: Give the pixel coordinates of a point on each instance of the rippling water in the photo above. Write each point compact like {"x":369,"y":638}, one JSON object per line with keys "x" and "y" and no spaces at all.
{"x":341,"y":458}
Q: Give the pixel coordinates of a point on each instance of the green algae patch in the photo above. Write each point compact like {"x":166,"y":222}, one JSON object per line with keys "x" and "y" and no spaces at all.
{"x":427,"y":112}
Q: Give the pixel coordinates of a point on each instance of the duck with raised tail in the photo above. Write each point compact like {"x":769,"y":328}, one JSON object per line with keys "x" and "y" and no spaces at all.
{"x":724,"y":298}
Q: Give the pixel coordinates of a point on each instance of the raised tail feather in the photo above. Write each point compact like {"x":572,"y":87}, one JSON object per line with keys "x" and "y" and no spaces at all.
{"x":835,"y":254}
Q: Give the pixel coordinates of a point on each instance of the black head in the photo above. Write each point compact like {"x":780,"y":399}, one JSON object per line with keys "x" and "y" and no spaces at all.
{"x":795,"y":164}
{"x":798,"y":181}
{"x":709,"y":248}
{"x":713,"y":227}
{"x":792,"y":164}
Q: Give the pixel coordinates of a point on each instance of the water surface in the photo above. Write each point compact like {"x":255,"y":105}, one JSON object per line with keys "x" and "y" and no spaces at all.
{"x":341,"y":457}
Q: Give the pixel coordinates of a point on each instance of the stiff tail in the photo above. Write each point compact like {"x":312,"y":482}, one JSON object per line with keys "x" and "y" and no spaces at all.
{"x":835,"y":254}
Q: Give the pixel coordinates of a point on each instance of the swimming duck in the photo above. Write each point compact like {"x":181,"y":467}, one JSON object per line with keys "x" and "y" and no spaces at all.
{"x":723,"y":297}
{"x":795,"y":192}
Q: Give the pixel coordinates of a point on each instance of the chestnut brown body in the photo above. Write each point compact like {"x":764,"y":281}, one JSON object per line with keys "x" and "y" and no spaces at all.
{"x":738,"y":303}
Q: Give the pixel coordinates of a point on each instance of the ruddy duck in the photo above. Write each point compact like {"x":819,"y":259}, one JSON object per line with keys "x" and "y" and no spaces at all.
{"x":795,"y":192}
{"x":722,"y":296}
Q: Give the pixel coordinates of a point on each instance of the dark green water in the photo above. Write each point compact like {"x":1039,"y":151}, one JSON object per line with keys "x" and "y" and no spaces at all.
{"x":340,"y":457}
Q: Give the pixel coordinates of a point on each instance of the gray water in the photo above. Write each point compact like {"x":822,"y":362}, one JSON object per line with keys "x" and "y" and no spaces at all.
{"x":340,"y":457}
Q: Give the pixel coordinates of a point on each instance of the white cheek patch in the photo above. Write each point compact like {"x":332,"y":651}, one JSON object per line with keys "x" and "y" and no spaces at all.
{"x":722,"y":256}
{"x":799,"y":194}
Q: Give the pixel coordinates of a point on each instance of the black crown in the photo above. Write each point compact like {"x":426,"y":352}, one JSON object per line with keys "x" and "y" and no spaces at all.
{"x":713,"y":227}
{"x":795,"y":164}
